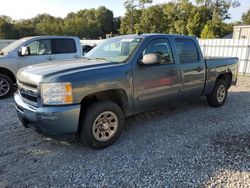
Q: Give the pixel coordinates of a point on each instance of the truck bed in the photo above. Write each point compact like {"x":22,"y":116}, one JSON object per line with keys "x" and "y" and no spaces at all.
{"x":216,"y":66}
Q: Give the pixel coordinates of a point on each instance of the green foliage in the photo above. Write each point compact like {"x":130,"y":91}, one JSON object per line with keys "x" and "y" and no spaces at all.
{"x":6,"y":27}
{"x":45,"y":23}
{"x":182,"y":11}
{"x":24,"y":28}
{"x":208,"y":31}
{"x":213,"y":28}
{"x":198,"y":19}
{"x":204,"y":19}
{"x":246,"y":18}
{"x":129,"y":22}
{"x":150,"y":22}
{"x":117,"y":24}
{"x":90,"y":23}
{"x":87,"y":23}
{"x":179,"y":17}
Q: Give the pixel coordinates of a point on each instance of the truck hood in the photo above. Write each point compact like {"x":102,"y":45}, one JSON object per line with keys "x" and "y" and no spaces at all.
{"x":38,"y":73}
{"x":3,"y":58}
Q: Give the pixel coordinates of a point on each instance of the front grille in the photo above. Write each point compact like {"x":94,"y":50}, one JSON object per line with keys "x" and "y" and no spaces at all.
{"x":28,"y":92}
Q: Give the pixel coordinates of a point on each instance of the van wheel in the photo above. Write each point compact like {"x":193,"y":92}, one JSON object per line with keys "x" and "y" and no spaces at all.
{"x":219,"y":95}
{"x":6,"y":86}
{"x":102,"y":124}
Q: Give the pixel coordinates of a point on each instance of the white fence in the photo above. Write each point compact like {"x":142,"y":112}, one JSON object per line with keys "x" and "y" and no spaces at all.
{"x":228,"y":48}
{"x":90,"y":42}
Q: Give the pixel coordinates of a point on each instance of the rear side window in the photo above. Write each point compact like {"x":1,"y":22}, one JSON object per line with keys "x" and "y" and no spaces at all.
{"x":187,"y":50}
{"x":63,"y":46}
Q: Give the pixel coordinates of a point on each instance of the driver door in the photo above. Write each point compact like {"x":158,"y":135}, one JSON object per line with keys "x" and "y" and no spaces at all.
{"x":156,"y":84}
{"x":39,"y":51}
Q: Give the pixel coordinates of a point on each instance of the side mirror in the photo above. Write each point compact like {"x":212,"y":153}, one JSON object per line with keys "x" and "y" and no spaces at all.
{"x":149,"y":59}
{"x":24,"y":51}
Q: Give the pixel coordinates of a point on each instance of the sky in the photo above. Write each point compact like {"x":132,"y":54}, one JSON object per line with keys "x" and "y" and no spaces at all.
{"x":24,"y":9}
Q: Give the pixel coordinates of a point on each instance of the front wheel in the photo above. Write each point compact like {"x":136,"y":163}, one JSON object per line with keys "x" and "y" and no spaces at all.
{"x":219,"y":95}
{"x":102,"y":124}
{"x":6,"y":86}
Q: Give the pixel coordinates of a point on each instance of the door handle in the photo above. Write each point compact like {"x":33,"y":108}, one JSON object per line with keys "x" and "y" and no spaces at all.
{"x":76,"y":56}
{"x":172,"y":73}
{"x":199,"y":69}
{"x":50,"y":58}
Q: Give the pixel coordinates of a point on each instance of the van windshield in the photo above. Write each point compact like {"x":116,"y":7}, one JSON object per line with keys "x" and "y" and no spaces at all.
{"x":12,"y":46}
{"x":115,"y":49}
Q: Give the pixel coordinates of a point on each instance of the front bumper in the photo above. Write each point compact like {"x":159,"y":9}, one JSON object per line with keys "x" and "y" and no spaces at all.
{"x":48,"y":120}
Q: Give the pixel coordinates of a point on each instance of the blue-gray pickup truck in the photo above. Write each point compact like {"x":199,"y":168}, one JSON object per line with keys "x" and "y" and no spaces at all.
{"x":118,"y":78}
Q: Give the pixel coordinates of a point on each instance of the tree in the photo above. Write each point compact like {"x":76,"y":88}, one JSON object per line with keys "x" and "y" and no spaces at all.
{"x":198,"y":19}
{"x":150,"y":22}
{"x":24,"y":28}
{"x":246,"y":18}
{"x":132,"y":15}
{"x":183,"y":11}
{"x":117,"y":24}
{"x":46,"y":24}
{"x":220,"y":6}
{"x":90,"y":23}
{"x":213,"y":28}
{"x":82,"y":24}
{"x":6,"y":28}
{"x":177,"y":17}
{"x":106,"y":20}
{"x":142,"y":3}
{"x":129,"y":18}
{"x":129,"y":26}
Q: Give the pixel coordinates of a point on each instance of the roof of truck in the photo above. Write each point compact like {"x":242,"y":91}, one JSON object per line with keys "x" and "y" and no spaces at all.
{"x":149,"y":35}
{"x":48,"y":36}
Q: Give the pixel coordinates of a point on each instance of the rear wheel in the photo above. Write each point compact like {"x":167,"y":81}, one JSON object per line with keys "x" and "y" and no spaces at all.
{"x":6,"y":86}
{"x":219,"y":95}
{"x":102,"y":124}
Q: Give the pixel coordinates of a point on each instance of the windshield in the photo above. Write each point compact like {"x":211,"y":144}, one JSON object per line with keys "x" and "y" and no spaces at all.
{"x":12,"y":46}
{"x":114,"y":49}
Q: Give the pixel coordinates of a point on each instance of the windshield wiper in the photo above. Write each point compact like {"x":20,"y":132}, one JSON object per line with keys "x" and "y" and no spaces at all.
{"x":100,"y":58}
{"x":96,"y":58}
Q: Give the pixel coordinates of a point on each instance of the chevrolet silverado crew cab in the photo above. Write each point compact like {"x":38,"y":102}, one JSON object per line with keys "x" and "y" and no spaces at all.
{"x":119,"y":77}
{"x":34,"y":50}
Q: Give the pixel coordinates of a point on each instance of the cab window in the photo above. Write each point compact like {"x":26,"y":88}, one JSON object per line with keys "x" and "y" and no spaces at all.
{"x":40,"y":47}
{"x":186,"y":50}
{"x":64,"y":46}
{"x":162,"y":48}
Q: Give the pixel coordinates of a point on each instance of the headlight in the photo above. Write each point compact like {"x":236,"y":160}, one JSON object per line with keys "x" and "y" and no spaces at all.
{"x":56,"y":93}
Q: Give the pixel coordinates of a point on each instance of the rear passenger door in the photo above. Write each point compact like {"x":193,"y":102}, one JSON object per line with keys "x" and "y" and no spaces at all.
{"x":192,"y":68}
{"x":64,"y":49}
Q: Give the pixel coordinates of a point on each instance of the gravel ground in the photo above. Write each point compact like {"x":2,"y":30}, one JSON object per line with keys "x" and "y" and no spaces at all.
{"x":187,"y":145}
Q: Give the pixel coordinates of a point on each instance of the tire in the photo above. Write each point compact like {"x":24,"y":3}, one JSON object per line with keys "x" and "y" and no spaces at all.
{"x":219,"y":95}
{"x":102,"y":124}
{"x":6,"y":86}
